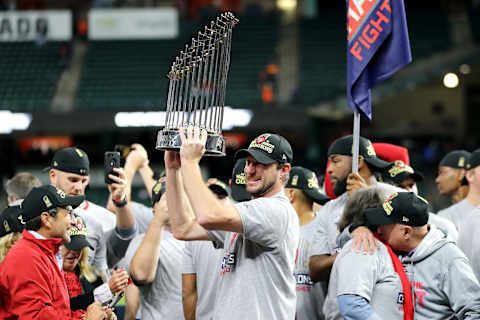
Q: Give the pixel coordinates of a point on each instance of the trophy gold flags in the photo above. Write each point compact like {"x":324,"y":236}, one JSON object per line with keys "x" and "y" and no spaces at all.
{"x":198,"y":80}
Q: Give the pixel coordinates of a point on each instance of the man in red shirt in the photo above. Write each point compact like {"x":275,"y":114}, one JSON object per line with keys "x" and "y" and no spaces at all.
{"x":31,"y":281}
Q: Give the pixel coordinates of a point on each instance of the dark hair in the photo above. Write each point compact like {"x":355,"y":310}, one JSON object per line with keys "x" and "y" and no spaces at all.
{"x":36,"y":223}
{"x":370,"y":197}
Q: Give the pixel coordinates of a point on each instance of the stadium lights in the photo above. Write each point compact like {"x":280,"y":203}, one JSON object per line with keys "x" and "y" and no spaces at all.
{"x":231,"y":118}
{"x":450,"y":80}
{"x":10,"y":121}
{"x":287,"y":5}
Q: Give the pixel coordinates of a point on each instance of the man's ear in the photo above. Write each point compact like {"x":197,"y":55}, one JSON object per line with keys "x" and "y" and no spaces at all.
{"x":45,"y":220}
{"x":461,"y":174}
{"x":291,"y":194}
{"x":52,"y":174}
{"x":469,"y":175}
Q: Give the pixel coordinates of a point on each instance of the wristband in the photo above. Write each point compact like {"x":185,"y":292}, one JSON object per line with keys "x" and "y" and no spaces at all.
{"x":120,"y":203}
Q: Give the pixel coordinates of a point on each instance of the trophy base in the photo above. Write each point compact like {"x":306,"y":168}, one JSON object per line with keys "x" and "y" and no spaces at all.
{"x":169,"y":139}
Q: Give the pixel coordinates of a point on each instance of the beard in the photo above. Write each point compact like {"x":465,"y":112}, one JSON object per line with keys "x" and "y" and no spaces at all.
{"x":340,"y":187}
{"x":261,"y":191}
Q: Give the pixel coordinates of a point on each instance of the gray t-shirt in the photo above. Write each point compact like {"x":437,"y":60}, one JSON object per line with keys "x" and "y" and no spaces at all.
{"x":202,"y":259}
{"x":325,"y":236}
{"x":310,"y":296}
{"x":95,"y":235}
{"x":162,"y":299}
{"x":143,"y":215}
{"x":256,"y":276}
{"x":457,"y":212}
{"x":468,"y":241}
{"x":369,"y":276}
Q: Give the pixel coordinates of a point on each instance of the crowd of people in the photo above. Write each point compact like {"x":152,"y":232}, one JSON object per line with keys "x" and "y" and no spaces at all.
{"x":273,"y":243}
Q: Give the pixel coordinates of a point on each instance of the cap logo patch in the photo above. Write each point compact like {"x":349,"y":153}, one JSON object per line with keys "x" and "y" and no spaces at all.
{"x":61,"y":193}
{"x":371,"y":150}
{"x":80,"y":153}
{"x":157,"y":188}
{"x":55,"y":163}
{"x":387,"y":205}
{"x":47,"y":201}
{"x":461,"y":162}
{"x":20,"y":218}
{"x":313,"y":182}
{"x":240,"y":179}
{"x":6,"y":226}
{"x":398,"y":168}
{"x":405,"y":219}
{"x":83,"y":171}
{"x":79,"y":228}
{"x":284,"y":157}
{"x":262,"y":143}
{"x":295,"y":180}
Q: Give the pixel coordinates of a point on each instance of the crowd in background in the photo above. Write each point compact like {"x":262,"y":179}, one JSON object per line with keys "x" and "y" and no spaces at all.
{"x":269,"y":244}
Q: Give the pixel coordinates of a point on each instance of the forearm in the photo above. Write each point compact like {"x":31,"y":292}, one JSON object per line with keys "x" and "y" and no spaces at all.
{"x":320,"y":266}
{"x":182,"y":218}
{"x":205,"y":205}
{"x":145,"y":261}
{"x":189,"y":296}
{"x":147,"y":176}
{"x":125,"y":218}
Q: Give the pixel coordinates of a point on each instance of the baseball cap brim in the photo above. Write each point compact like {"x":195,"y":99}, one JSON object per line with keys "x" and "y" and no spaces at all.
{"x":73,"y":201}
{"x":377,"y":163}
{"x":317,"y":196}
{"x":78,"y":242}
{"x":377,"y":217}
{"x":416,"y":176}
{"x":259,"y":156}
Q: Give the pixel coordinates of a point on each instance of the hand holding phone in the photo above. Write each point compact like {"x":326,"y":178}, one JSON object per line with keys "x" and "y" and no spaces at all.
{"x":111,"y":160}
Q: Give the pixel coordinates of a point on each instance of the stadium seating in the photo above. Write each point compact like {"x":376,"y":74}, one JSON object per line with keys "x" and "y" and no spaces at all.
{"x":29,"y":75}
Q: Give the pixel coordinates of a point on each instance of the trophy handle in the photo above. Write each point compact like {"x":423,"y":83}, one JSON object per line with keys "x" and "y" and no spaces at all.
{"x":169,"y":139}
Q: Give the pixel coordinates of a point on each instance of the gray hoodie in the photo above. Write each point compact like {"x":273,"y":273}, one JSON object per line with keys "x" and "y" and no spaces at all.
{"x":442,"y":279}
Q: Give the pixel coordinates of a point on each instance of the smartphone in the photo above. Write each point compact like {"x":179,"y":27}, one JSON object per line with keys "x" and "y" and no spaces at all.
{"x":111,"y":160}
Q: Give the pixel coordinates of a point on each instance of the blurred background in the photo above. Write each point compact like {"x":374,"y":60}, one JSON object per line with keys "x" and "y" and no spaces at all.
{"x":93,"y":74}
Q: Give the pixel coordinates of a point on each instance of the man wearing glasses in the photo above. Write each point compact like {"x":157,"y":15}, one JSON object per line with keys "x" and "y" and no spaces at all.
{"x":31,"y":280}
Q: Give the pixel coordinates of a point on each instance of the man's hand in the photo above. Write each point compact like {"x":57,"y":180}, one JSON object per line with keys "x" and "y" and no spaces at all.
{"x":354,"y":183}
{"x":363,"y":238}
{"x":118,"y":188}
{"x":161,"y":211}
{"x":193,"y":145}
{"x":119,"y":281}
{"x":172,"y":160}
{"x":95,"y":312}
{"x":137,"y":158}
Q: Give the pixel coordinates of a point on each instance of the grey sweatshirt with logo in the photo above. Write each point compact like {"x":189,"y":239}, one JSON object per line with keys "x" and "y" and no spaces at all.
{"x":442,"y":279}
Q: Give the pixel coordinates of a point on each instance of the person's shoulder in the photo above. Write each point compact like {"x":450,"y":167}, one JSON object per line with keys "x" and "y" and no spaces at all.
{"x":96,"y":208}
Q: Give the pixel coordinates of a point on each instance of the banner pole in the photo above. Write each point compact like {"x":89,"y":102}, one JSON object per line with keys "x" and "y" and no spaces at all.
{"x":356,"y":139}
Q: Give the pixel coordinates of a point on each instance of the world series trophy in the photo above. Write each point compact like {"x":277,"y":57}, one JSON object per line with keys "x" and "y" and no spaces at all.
{"x":198,"y":80}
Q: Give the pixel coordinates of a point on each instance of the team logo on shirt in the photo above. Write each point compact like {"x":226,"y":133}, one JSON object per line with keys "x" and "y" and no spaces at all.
{"x":304,"y":283}
{"x":228,"y":262}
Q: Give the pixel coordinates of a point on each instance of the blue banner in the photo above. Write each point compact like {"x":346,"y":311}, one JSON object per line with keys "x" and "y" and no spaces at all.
{"x":377,"y":46}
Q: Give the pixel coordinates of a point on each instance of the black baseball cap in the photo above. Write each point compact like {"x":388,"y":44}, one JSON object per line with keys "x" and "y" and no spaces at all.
{"x":268,"y":148}
{"x":306,"y":180}
{"x":73,"y":160}
{"x":11,"y":220}
{"x":398,"y":171}
{"x":344,"y":146}
{"x":44,"y":198}
{"x":401,"y":207}
{"x":218,"y":187}
{"x":474,"y":160}
{"x":239,"y":182}
{"x":158,"y":190}
{"x":457,"y":159}
{"x":78,"y":235}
